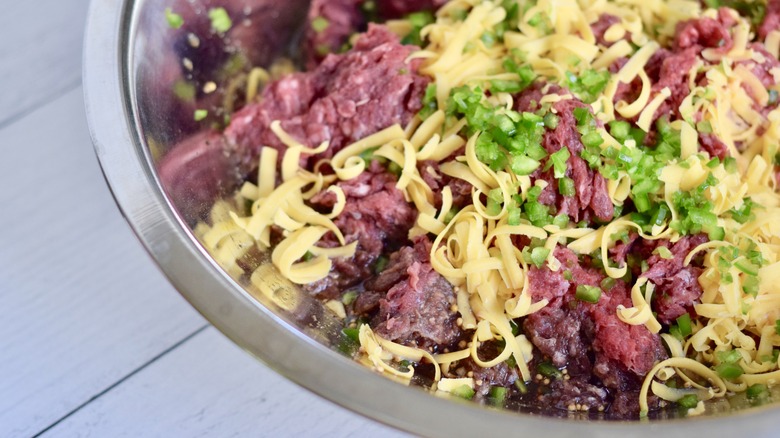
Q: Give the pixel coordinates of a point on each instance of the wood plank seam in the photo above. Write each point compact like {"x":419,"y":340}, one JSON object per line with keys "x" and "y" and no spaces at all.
{"x":16,"y":117}
{"x":124,"y":378}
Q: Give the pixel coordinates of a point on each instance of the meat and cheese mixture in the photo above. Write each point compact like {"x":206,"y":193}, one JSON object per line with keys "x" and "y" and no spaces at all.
{"x":553,"y":204}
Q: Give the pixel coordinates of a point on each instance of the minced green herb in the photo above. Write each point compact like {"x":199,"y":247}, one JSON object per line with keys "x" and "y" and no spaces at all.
{"x":319,"y":24}
{"x":429,"y":105}
{"x":220,"y":20}
{"x":174,"y":20}
{"x":688,"y":401}
{"x":200,"y":114}
{"x":418,"y":20}
{"x":589,"y":85}
{"x":463,"y":391}
{"x":589,"y":294}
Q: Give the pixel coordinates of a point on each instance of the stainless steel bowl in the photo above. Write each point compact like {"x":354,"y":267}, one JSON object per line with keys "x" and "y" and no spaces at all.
{"x":127,"y":60}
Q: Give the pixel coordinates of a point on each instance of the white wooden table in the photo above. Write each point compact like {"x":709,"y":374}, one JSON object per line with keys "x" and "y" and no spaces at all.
{"x":93,"y":339}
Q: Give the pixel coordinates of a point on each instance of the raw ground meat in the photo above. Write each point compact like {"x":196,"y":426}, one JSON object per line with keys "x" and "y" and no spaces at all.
{"x":600,"y":27}
{"x":588,"y":339}
{"x":416,"y":304}
{"x":346,"y":98}
{"x":375,"y":215}
{"x":400,"y":8}
{"x":461,"y":190}
{"x":705,"y":32}
{"x":713,"y":146}
{"x":677,"y":286}
{"x":631,"y":346}
{"x":340,"y":19}
{"x":558,"y":334}
{"x":344,"y":18}
{"x":771,"y":19}
{"x":419,"y":310}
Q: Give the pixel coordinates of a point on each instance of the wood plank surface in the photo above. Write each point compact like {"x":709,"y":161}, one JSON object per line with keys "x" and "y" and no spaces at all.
{"x":81,"y":303}
{"x":208,"y":387}
{"x":40,"y":57}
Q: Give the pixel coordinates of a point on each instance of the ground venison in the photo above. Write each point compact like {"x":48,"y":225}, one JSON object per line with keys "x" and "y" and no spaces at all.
{"x":631,"y":346}
{"x":670,"y":68}
{"x":399,"y":263}
{"x":706,"y":32}
{"x":588,"y":339}
{"x":660,"y":267}
{"x":375,"y":215}
{"x":329,"y":26}
{"x":600,"y":27}
{"x":400,"y":8}
{"x":614,"y":375}
{"x":622,"y":248}
{"x":677,"y":285}
{"x":713,"y":146}
{"x":420,"y":310}
{"x":460,"y":189}
{"x":565,"y":133}
{"x":667,"y":69}
{"x":546,"y":285}
{"x":601,"y":202}
{"x":346,"y":98}
{"x":625,"y":404}
{"x":676,"y":295}
{"x":771,"y":19}
{"x":580,"y":273}
{"x":409,"y":302}
{"x":367,"y":302}
{"x":331,"y":23}
{"x":765,"y":69}
{"x":591,"y":194}
{"x":501,"y":375}
{"x":561,"y":334}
